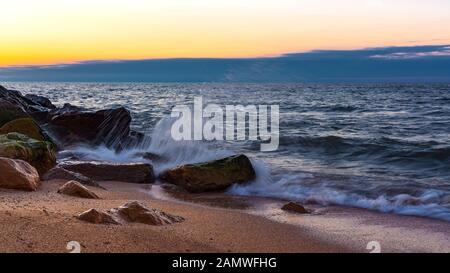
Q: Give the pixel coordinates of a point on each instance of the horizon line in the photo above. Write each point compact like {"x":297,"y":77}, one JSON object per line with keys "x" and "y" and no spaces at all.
{"x":279,"y":55}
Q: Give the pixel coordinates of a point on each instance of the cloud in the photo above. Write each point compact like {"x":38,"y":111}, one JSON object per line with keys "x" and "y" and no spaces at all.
{"x":442,"y":52}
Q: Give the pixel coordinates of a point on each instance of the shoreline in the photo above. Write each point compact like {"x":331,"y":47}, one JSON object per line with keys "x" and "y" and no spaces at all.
{"x":350,"y":227}
{"x":43,"y":221}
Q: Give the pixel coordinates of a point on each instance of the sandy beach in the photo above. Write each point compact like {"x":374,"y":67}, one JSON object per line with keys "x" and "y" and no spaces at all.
{"x":44,"y":221}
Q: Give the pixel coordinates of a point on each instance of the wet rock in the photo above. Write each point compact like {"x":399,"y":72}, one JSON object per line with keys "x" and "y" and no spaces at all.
{"x":25,"y":126}
{"x":134,"y":140}
{"x":18,"y":175}
{"x":63,"y":174}
{"x":294,"y":207}
{"x":132,"y":173}
{"x":15,"y":98}
{"x":97,"y":217}
{"x":211,"y":176}
{"x":67,"y":108}
{"x":136,"y":212}
{"x":150,"y":156}
{"x":108,"y":127}
{"x":73,"y":188}
{"x":40,"y":154}
{"x":42,"y":101}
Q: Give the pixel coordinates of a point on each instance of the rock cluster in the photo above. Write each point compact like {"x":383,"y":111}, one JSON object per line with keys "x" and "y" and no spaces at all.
{"x":27,"y":122}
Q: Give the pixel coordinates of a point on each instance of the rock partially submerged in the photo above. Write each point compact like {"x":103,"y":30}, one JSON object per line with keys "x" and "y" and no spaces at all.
{"x":216,"y":175}
{"x":70,"y":124}
{"x":61,"y":173}
{"x":18,"y":175}
{"x":40,"y":154}
{"x":294,"y":207}
{"x":73,"y":188}
{"x":105,"y":127}
{"x":132,"y":173}
{"x":131,"y":212}
{"x":40,"y":100}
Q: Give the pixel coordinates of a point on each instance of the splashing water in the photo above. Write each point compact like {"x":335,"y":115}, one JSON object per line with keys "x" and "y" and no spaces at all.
{"x":378,"y":146}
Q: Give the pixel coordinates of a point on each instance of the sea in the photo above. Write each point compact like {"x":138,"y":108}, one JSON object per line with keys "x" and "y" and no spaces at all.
{"x":383,"y":147}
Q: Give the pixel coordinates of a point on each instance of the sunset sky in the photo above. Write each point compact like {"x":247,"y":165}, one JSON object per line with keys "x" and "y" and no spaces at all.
{"x":54,"y":31}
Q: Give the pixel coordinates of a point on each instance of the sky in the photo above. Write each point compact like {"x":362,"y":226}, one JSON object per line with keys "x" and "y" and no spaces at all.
{"x":59,"y":32}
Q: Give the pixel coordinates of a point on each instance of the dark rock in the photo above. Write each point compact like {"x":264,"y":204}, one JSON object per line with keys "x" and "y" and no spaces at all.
{"x":133,"y":140}
{"x":211,"y":176}
{"x":151,"y":156}
{"x":294,"y":207}
{"x":67,"y":108}
{"x":18,"y":175}
{"x":73,"y":188}
{"x":42,"y":101}
{"x":10,"y":112}
{"x":109,"y":127}
{"x":16,"y":98}
{"x":133,"y":173}
{"x":63,"y":174}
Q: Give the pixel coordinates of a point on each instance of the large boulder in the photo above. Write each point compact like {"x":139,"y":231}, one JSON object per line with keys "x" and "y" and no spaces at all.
{"x":108,"y":127}
{"x":211,"y":176}
{"x":40,"y":154}
{"x":99,"y":171}
{"x":63,"y":174}
{"x":18,"y":174}
{"x":25,"y":126}
{"x":73,"y":188}
{"x":15,"y":97}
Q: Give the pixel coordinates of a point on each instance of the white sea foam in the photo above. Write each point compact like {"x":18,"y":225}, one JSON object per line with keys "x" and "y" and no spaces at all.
{"x":431,"y":203}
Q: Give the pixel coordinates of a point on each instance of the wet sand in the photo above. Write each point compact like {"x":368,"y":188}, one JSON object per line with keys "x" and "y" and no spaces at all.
{"x":43,"y":221}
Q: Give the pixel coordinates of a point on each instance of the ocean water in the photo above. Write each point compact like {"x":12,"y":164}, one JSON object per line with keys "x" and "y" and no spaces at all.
{"x":384,"y":147}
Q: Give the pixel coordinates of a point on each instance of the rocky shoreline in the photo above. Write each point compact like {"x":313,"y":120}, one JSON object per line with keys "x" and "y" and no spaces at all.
{"x":49,"y":199}
{"x":33,"y":131}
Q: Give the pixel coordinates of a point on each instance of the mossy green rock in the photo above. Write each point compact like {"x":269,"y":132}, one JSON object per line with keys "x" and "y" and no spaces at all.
{"x":26,"y":126}
{"x":40,"y":154}
{"x":211,"y":176}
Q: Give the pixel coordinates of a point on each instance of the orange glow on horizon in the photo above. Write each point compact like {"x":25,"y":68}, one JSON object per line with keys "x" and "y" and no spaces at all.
{"x":52,"y":32}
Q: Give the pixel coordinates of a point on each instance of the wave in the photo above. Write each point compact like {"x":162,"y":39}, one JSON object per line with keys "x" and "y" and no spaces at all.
{"x":292,"y":186}
{"x":384,"y":147}
{"x":430,"y":203}
{"x":172,"y":153}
